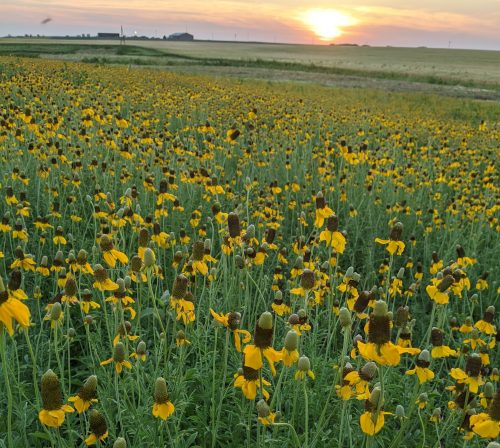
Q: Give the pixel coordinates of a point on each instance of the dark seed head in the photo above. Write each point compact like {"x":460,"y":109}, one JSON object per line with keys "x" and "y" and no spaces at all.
{"x":437,"y":337}
{"x":379,"y":331}
{"x":233,"y":224}
{"x":198,"y":251}
{"x":89,"y":389}
{"x":396,"y":232}
{"x":97,"y":423}
{"x":445,"y":283}
{"x":473,"y":365}
{"x":15,"y":280}
{"x":180,"y":287}
{"x":307,"y":279}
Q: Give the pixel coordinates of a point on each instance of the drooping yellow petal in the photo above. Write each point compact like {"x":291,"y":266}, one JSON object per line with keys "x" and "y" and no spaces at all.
{"x":253,"y":357}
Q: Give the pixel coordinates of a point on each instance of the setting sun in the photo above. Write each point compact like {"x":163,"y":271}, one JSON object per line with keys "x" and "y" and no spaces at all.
{"x":327,"y":23}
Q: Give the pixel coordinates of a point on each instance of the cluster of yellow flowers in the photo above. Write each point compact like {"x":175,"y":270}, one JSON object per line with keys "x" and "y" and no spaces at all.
{"x":257,"y":207}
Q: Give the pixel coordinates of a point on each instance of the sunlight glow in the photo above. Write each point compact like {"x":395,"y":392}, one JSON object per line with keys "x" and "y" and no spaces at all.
{"x":327,"y":23}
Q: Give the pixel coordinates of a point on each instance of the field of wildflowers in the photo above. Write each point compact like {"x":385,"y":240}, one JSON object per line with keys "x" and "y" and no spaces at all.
{"x":198,"y":262}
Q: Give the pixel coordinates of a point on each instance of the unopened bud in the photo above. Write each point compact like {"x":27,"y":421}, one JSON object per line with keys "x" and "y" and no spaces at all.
{"x":291,"y":341}
{"x":345,"y":317}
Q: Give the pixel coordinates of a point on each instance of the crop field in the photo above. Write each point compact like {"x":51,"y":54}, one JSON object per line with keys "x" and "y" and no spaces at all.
{"x":192,"y":261}
{"x":470,"y":68}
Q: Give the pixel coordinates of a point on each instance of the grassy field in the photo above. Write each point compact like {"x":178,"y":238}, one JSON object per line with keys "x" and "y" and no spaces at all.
{"x":441,"y":66}
{"x":198,"y":261}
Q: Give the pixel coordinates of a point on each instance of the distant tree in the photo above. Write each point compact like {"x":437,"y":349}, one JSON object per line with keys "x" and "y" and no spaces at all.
{"x":164,"y":37}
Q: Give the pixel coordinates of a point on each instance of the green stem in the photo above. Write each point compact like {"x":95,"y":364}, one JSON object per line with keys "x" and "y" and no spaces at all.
{"x":306,"y":414}
{"x":3,"y":350}
{"x":292,"y":429}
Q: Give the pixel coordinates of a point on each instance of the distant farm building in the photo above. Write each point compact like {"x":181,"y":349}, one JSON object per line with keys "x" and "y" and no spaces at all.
{"x":181,"y":36}
{"x":108,"y":35}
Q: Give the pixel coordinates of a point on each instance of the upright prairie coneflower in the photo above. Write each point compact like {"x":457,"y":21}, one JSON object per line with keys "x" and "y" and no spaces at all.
{"x":59,"y":237}
{"x":422,"y":370}
{"x":119,"y":358}
{"x":485,"y":325}
{"x":102,"y":281}
{"x":163,"y":194}
{"x":86,"y":396}
{"x":487,"y":425}
{"x":232,"y":321}
{"x":53,"y":409}
{"x":304,"y":369}
{"x":162,"y":406}
{"x":248,"y":380}
{"x":279,"y":306}
{"x":262,"y":346}
{"x":307,"y":283}
{"x":181,"y":339}
{"x":439,"y":292}
{"x":182,"y":300}
{"x":462,"y":259}
{"x":98,"y":428}
{"x":82,"y":263}
{"x":23,"y":261}
{"x":373,"y":419}
{"x":322,"y":210}
{"x":379,"y":347}
{"x":360,"y":379}
{"x":121,"y":298}
{"x":197,"y":258}
{"x":14,"y":285}
{"x":265,"y":415}
{"x":143,"y":242}
{"x":472,"y":374}
{"x":110,"y":254}
{"x":394,"y":243}
{"x":439,"y":349}
{"x":87,"y":302}
{"x":12,"y":310}
{"x":482,"y":281}
{"x":235,"y":233}
{"x":436,"y":264}
{"x":123,"y":332}
{"x":331,"y":235}
{"x":289,"y":351}
{"x":70,"y":291}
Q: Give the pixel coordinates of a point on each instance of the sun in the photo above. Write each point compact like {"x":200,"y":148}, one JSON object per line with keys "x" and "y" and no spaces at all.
{"x":327,"y":23}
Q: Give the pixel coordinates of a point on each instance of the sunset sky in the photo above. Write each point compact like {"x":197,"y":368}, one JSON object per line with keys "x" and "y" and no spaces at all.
{"x":433,"y":23}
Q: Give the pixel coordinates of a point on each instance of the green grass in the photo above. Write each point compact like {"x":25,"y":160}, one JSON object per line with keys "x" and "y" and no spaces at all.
{"x":466,"y":68}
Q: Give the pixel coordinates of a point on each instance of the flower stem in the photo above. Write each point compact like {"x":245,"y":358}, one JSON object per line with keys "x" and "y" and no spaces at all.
{"x":10,"y":442}
{"x":306,"y":414}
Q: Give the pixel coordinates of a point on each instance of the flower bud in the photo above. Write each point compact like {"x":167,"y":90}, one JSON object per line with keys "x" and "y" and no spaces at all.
{"x":304,"y":364}
{"x":291,"y":341}
{"x":368,"y":371}
{"x":149,"y":257}
{"x":345,"y":317}
{"x":375,"y":397}
{"x":380,"y":308}
{"x":55,"y":311}
{"x":266,"y":321}
{"x":400,"y":411}
{"x":120,"y":443}
{"x":263,"y":409}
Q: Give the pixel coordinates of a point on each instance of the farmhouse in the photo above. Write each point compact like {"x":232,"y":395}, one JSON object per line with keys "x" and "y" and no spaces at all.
{"x":181,"y":36}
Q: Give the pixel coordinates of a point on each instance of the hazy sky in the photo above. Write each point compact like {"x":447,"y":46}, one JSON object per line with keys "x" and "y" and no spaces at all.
{"x":436,"y":23}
